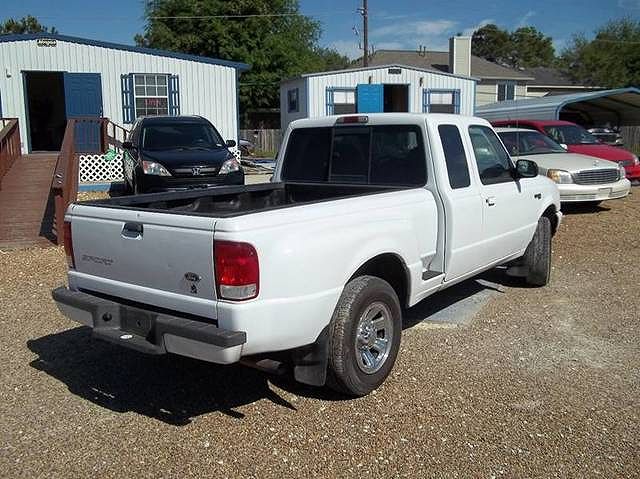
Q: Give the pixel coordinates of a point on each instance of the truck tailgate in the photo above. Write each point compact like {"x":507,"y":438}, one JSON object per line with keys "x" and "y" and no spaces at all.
{"x":142,"y":255}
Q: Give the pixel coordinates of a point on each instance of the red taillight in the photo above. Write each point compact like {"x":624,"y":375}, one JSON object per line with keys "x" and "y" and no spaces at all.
{"x":237,"y":270}
{"x":68,"y":244}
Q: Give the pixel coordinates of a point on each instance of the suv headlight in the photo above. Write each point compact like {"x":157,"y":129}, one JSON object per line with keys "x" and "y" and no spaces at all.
{"x":229,"y":166}
{"x":560,"y":176}
{"x":621,"y":172}
{"x":153,"y":168}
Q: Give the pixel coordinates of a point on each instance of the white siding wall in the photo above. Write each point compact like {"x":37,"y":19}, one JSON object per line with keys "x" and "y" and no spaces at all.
{"x":285,"y":116}
{"x":313,"y":89}
{"x":488,"y":92}
{"x":318,"y":85}
{"x":205,"y":89}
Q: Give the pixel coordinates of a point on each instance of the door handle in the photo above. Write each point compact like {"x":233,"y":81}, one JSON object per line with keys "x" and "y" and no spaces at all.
{"x":491,"y":201}
{"x":132,"y":231}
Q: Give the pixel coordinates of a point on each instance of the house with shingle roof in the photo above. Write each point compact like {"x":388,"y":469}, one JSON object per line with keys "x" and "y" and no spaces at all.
{"x":495,"y":82}
{"x":552,"y":81}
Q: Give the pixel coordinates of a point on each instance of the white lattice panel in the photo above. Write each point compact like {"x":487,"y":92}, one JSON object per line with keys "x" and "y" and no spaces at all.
{"x":94,"y":168}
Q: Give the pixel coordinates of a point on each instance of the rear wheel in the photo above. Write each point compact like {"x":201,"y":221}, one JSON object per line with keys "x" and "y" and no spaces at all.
{"x":364,"y":336}
{"x":537,"y":257}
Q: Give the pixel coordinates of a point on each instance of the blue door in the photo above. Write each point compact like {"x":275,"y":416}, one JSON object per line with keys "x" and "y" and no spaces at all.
{"x":370,"y":98}
{"x":83,"y":98}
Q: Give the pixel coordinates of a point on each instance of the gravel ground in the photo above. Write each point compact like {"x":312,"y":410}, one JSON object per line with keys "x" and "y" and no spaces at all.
{"x":542,"y":383}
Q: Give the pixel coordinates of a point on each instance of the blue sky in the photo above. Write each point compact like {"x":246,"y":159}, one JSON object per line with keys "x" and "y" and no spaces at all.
{"x":404,"y":24}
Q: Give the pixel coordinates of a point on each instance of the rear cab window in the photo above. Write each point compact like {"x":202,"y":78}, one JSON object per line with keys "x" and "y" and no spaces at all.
{"x":392,"y":155}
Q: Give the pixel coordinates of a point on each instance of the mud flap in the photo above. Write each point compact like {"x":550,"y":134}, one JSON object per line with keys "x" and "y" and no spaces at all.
{"x":310,"y":362}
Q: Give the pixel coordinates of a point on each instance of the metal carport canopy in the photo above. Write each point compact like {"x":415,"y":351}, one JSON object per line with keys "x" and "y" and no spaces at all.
{"x":619,"y":107}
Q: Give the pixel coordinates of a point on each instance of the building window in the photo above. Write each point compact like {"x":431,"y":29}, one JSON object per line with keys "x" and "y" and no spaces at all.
{"x":506,"y":91}
{"x":151,"y":95}
{"x":292,"y":101}
{"x":441,"y":101}
{"x":341,"y":101}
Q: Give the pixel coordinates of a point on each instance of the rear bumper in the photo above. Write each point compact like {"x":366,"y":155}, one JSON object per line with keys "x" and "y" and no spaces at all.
{"x":150,"y":331}
{"x":573,"y":193}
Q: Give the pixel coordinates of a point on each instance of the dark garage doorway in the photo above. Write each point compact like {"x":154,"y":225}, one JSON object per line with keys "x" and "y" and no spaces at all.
{"x":396,"y":98}
{"x":46,"y":115}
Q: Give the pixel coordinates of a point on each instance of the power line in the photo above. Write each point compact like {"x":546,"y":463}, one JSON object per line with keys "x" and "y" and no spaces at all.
{"x":192,"y":17}
{"x":255,"y":15}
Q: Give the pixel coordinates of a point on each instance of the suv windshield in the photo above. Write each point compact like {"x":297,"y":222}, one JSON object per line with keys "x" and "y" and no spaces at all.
{"x":571,"y":135}
{"x":181,"y":136}
{"x":528,"y":143}
{"x":376,"y":155}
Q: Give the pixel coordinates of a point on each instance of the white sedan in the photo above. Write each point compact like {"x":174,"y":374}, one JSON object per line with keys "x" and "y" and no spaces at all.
{"x":580,"y":178}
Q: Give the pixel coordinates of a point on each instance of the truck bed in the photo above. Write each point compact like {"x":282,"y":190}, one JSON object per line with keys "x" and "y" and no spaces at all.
{"x":225,"y":202}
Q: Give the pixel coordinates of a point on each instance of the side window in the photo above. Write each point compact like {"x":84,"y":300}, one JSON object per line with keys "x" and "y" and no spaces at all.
{"x":455,"y":158}
{"x":134,"y":133}
{"x":494,"y":164}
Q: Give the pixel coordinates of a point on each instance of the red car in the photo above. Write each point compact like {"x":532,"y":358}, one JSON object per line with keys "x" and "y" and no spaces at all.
{"x":578,"y":140}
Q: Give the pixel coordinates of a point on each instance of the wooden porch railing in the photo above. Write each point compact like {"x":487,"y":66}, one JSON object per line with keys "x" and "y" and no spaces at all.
{"x":9,"y":144}
{"x":100,"y":134}
{"x":112,"y":134}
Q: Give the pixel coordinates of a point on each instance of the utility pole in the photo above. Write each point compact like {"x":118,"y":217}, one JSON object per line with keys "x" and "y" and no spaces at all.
{"x":364,"y":11}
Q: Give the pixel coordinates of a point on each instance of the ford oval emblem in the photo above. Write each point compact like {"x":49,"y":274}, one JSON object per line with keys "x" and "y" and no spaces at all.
{"x":193,"y":277}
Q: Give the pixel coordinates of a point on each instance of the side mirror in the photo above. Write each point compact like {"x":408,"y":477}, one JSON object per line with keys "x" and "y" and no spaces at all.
{"x":526,"y":169}
{"x":231,"y":143}
{"x":127,"y":145}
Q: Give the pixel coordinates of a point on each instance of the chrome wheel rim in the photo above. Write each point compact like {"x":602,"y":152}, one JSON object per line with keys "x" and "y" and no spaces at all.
{"x":374,"y":335}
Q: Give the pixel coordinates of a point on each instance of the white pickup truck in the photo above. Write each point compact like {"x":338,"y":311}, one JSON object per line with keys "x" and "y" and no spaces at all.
{"x":366,"y":215}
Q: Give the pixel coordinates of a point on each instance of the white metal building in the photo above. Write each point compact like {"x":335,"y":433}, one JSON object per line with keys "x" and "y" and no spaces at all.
{"x":47,"y":78}
{"x":388,"y":88}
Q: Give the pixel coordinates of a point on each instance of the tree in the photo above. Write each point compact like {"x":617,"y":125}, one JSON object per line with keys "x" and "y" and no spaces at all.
{"x":492,"y":43}
{"x":610,"y":60}
{"x":28,"y":24}
{"x":531,"y":48}
{"x":525,"y":47}
{"x":270,"y":35}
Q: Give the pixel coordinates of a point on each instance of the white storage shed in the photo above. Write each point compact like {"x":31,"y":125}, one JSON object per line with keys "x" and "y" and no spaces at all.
{"x":388,"y":88}
{"x":46,"y":79}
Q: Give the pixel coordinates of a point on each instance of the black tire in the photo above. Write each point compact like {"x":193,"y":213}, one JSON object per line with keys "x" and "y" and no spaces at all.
{"x":135,"y":188}
{"x":127,"y":190}
{"x":362,"y":294}
{"x":537,"y":257}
